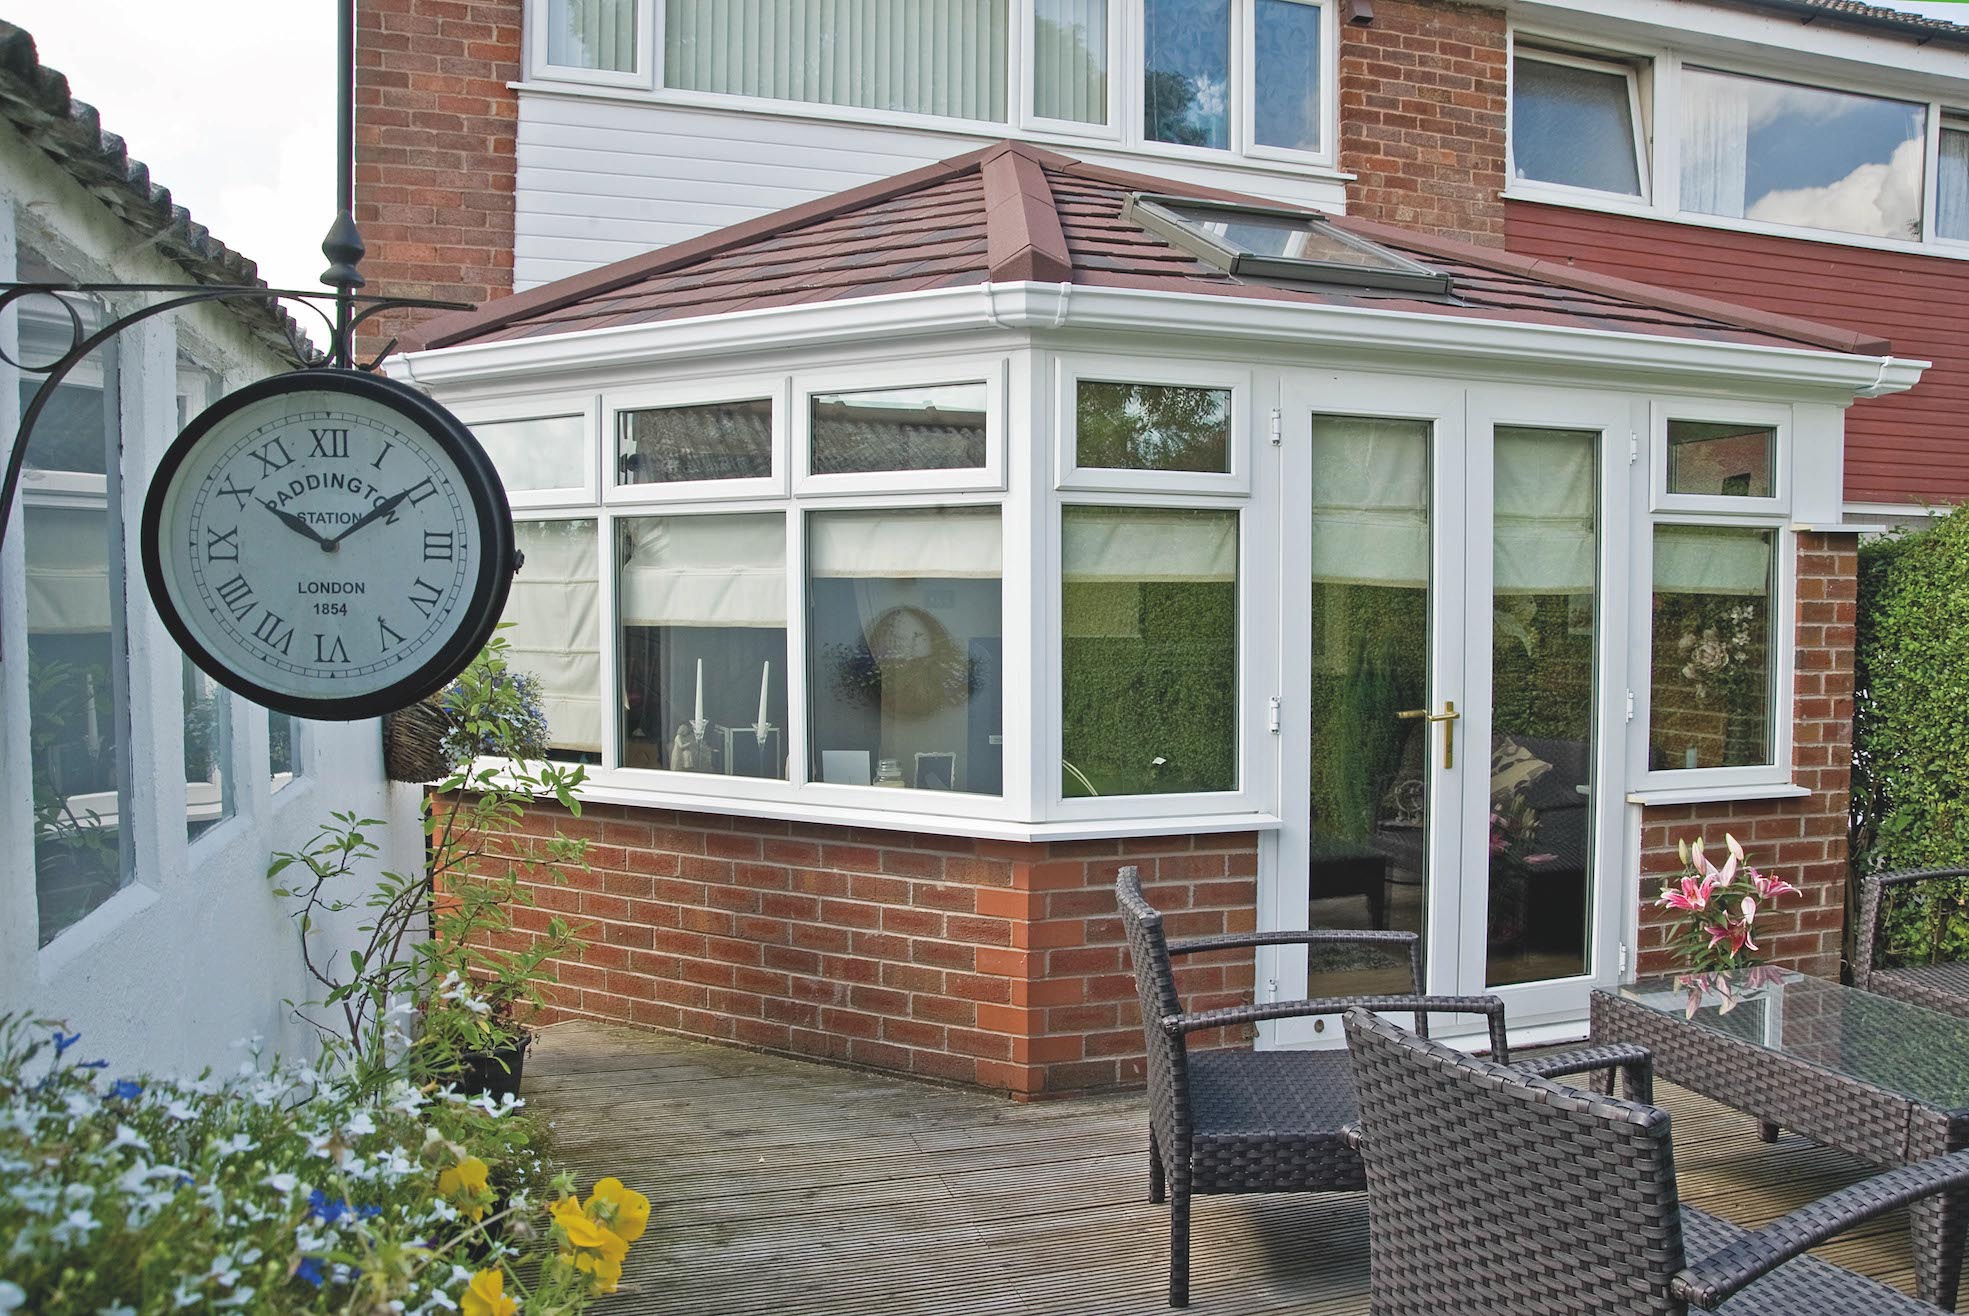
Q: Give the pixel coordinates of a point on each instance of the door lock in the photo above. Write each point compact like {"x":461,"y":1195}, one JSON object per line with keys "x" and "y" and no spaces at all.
{"x":1447,"y":717}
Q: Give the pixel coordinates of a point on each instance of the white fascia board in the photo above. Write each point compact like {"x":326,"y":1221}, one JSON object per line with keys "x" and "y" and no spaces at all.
{"x":1040,"y":307}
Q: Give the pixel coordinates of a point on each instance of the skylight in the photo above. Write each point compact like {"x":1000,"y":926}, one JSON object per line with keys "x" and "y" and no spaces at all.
{"x":1265,"y":243}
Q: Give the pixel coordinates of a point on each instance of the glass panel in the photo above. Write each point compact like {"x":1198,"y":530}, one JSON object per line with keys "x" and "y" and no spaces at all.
{"x":1728,"y":460}
{"x":943,"y":57}
{"x":1712,"y":647}
{"x":1186,"y":80}
{"x":208,"y":752}
{"x":1152,"y":427}
{"x":1286,"y":83}
{"x":931,"y":427}
{"x":592,"y":34}
{"x":283,"y":749}
{"x":702,"y":605}
{"x":553,"y":623}
{"x":1777,"y":151}
{"x":1370,"y":661}
{"x":1070,"y":60}
{"x":905,"y":636}
{"x":541,"y":453}
{"x":1952,"y":186}
{"x":713,"y":441}
{"x":1574,"y":126}
{"x":1545,"y":545}
{"x":1309,"y":239}
{"x":1149,"y":651}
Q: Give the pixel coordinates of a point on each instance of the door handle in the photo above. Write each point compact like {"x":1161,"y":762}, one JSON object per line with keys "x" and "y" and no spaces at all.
{"x":1447,"y":717}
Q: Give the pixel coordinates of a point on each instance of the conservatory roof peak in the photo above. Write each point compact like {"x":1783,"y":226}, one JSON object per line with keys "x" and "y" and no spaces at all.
{"x":1012,"y":212}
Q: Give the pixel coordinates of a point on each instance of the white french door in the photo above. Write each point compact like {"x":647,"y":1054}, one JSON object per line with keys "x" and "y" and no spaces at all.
{"x":1447,"y":655}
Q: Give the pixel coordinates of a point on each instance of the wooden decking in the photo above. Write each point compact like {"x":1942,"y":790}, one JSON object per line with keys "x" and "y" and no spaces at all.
{"x":784,"y":1187}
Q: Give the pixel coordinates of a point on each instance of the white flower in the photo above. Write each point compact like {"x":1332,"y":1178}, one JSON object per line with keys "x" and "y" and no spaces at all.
{"x":179,"y":1109}
{"x":282,"y":1183}
{"x":360,"y":1125}
{"x":75,"y":1228}
{"x":117,"y":1310}
{"x":12,"y":1296}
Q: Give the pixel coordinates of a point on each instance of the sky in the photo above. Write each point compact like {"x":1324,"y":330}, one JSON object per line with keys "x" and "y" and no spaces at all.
{"x":232,"y":105}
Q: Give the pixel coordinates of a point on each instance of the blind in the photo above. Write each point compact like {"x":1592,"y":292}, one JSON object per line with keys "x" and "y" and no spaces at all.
{"x":1147,"y":544}
{"x":943,"y":57}
{"x":67,"y":571}
{"x":555,"y":608}
{"x":705,"y":571}
{"x":1544,"y":538}
{"x":1370,"y":508}
{"x":592,"y":34}
{"x":1696,"y":559}
{"x":1070,"y":60}
{"x":951,"y":543}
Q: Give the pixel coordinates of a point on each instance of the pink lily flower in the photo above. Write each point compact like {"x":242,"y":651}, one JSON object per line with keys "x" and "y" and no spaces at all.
{"x":1736,"y":934}
{"x":1769,"y":888}
{"x":1724,"y":875}
{"x":1694,"y":893}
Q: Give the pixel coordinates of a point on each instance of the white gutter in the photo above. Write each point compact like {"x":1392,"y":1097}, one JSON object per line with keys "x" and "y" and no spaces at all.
{"x":1369,"y":334}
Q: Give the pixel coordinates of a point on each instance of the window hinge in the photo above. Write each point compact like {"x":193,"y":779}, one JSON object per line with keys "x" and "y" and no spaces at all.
{"x":1623,"y":959}
{"x":1633,"y":448}
{"x":1278,"y":427}
{"x":1273,"y":720}
{"x":1271,"y":989}
{"x":1630,"y":705}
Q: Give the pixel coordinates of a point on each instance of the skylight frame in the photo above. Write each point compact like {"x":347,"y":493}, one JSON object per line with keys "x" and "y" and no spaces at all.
{"x":1153,"y":212}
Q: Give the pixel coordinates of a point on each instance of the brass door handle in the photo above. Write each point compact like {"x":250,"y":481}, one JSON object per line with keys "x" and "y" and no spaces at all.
{"x":1448,"y":717}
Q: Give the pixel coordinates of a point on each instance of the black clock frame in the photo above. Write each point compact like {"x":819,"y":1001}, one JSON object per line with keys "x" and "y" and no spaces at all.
{"x":488,"y":495}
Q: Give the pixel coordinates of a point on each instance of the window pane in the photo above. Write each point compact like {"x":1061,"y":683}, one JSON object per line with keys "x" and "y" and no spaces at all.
{"x":541,"y":453}
{"x":1573,"y":126}
{"x":208,"y":752}
{"x":934,"y":427}
{"x":1711,"y":684}
{"x":716,"y":441}
{"x":1152,"y":427}
{"x":1286,"y":84}
{"x":283,"y":749}
{"x":1731,"y":460}
{"x":1776,"y":151}
{"x":1149,"y":651}
{"x":1070,"y":60}
{"x":905,"y":639}
{"x":702,"y":604}
{"x":592,"y":34}
{"x":1186,"y":91}
{"x":1952,"y":187}
{"x":554,"y":612}
{"x":943,"y":57}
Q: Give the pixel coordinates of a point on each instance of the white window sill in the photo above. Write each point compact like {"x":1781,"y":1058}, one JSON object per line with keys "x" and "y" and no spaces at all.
{"x":1717,"y":794}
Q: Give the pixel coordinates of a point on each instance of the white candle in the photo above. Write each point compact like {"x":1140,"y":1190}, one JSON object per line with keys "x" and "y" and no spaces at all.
{"x":697,"y":719}
{"x":91,"y":738}
{"x":759,"y":727}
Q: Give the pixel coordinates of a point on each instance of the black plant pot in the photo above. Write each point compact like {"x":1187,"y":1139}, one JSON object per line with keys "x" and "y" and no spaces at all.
{"x":495,"y":1073}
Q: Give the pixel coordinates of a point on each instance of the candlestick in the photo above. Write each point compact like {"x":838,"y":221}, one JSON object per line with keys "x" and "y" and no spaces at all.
{"x":759,"y":727}
{"x":697,"y":720}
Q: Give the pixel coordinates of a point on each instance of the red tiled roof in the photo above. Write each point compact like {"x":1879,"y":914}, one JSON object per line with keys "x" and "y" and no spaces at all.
{"x":1013,"y":212}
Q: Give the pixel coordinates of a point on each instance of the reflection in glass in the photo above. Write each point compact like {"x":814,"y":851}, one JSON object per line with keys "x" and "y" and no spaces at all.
{"x":1149,"y":650}
{"x":1710,"y":701}
{"x":1286,"y":83}
{"x":1308,"y":238}
{"x":1070,"y":60}
{"x":1186,"y":80}
{"x":1758,"y":149}
{"x":283,"y":749}
{"x":539,"y":453}
{"x":712,"y":441}
{"x":702,"y":605}
{"x":1573,"y":126}
{"x":1727,"y":460}
{"x":905,"y":638}
{"x":930,"y":427}
{"x":1370,"y":661}
{"x":1543,"y":605}
{"x":592,"y":34}
{"x":552,"y":623}
{"x":1152,"y":427}
{"x":208,"y":752}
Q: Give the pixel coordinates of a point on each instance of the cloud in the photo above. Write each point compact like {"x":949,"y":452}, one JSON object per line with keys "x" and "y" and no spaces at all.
{"x":1880,"y":200}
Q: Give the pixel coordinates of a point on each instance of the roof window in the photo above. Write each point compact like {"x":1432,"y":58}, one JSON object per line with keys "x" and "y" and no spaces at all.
{"x":1267,"y":243}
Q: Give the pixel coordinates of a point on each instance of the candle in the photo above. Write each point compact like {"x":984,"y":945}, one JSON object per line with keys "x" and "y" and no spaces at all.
{"x":759,"y":727}
{"x":91,"y":737}
{"x":697,"y":719}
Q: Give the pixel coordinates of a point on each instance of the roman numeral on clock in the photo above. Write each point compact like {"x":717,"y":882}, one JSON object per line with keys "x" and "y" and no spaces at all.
{"x":270,"y":633}
{"x":437,"y":545}
{"x":329,"y":443}
{"x":271,"y":463}
{"x":335,"y":653}
{"x":390,"y":639}
{"x":428,"y":488}
{"x":237,"y":595}
{"x":425,"y":595}
{"x":243,"y":495}
{"x":222,"y":545}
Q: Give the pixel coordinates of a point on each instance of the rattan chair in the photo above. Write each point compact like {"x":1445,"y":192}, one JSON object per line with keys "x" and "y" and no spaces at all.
{"x":1235,"y":1121}
{"x":1943,"y":986}
{"x":1491,"y":1189}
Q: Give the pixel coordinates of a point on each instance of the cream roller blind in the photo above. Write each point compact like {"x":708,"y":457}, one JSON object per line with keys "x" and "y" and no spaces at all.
{"x":705,"y":571}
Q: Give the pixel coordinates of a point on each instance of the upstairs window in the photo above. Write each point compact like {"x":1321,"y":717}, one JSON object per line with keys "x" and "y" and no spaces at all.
{"x":1070,"y":60}
{"x":1201,"y":87}
{"x":598,"y":37}
{"x":1575,"y":123}
{"x":1952,"y":184}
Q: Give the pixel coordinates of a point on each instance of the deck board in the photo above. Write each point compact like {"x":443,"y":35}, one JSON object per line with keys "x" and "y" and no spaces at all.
{"x":790,"y":1188}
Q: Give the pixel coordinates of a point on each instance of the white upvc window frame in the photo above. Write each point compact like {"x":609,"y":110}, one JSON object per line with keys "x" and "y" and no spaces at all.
{"x":1941,"y":121}
{"x":642,"y":78}
{"x":1025,"y":89}
{"x":989,"y":478}
{"x":774,"y":388}
{"x":1244,"y":72}
{"x":1073,"y":368}
{"x":1661,"y":411}
{"x":1628,"y":70}
{"x":545,"y":406}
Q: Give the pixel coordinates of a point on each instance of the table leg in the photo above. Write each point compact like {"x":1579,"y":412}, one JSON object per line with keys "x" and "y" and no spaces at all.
{"x":1767,"y":1131}
{"x":1935,"y":1226}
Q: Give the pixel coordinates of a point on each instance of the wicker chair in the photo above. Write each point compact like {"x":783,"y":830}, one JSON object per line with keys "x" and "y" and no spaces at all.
{"x":1490,"y":1189}
{"x":1943,"y":986}
{"x":1224,"y":1121}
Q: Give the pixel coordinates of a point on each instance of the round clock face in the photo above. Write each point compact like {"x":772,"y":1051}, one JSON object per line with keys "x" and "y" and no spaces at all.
{"x":333,"y":545}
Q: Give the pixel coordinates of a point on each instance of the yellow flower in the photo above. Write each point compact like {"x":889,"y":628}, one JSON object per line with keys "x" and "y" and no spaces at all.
{"x":591,"y":1248}
{"x":623,"y":1210}
{"x":467,"y":1178}
{"x":486,"y":1296}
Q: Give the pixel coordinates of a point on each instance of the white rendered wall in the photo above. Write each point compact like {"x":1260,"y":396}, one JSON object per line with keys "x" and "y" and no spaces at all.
{"x":196,"y":951}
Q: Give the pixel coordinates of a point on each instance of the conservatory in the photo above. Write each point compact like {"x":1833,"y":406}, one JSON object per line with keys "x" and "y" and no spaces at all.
{"x":901,"y":563}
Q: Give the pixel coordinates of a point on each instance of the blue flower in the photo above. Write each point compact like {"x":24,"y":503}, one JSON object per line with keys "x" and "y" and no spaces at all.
{"x":327,"y":1210}
{"x":94,"y":1064}
{"x":126,"y":1089}
{"x":64,"y":1042}
{"x":368,"y":1212}
{"x":310,"y":1270}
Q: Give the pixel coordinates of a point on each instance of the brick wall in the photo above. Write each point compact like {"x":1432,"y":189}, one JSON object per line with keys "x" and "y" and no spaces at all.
{"x":1801,"y":840}
{"x":435,"y":130}
{"x":988,"y":962}
{"x":1422,"y":113}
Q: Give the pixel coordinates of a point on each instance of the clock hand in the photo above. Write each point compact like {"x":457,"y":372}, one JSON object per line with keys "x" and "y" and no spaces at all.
{"x":375,"y":513}
{"x":295,"y":523}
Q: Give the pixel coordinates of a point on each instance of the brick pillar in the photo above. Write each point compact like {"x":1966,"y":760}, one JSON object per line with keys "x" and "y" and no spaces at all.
{"x":1422,"y":113}
{"x":435,"y":131}
{"x":1801,"y":840}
